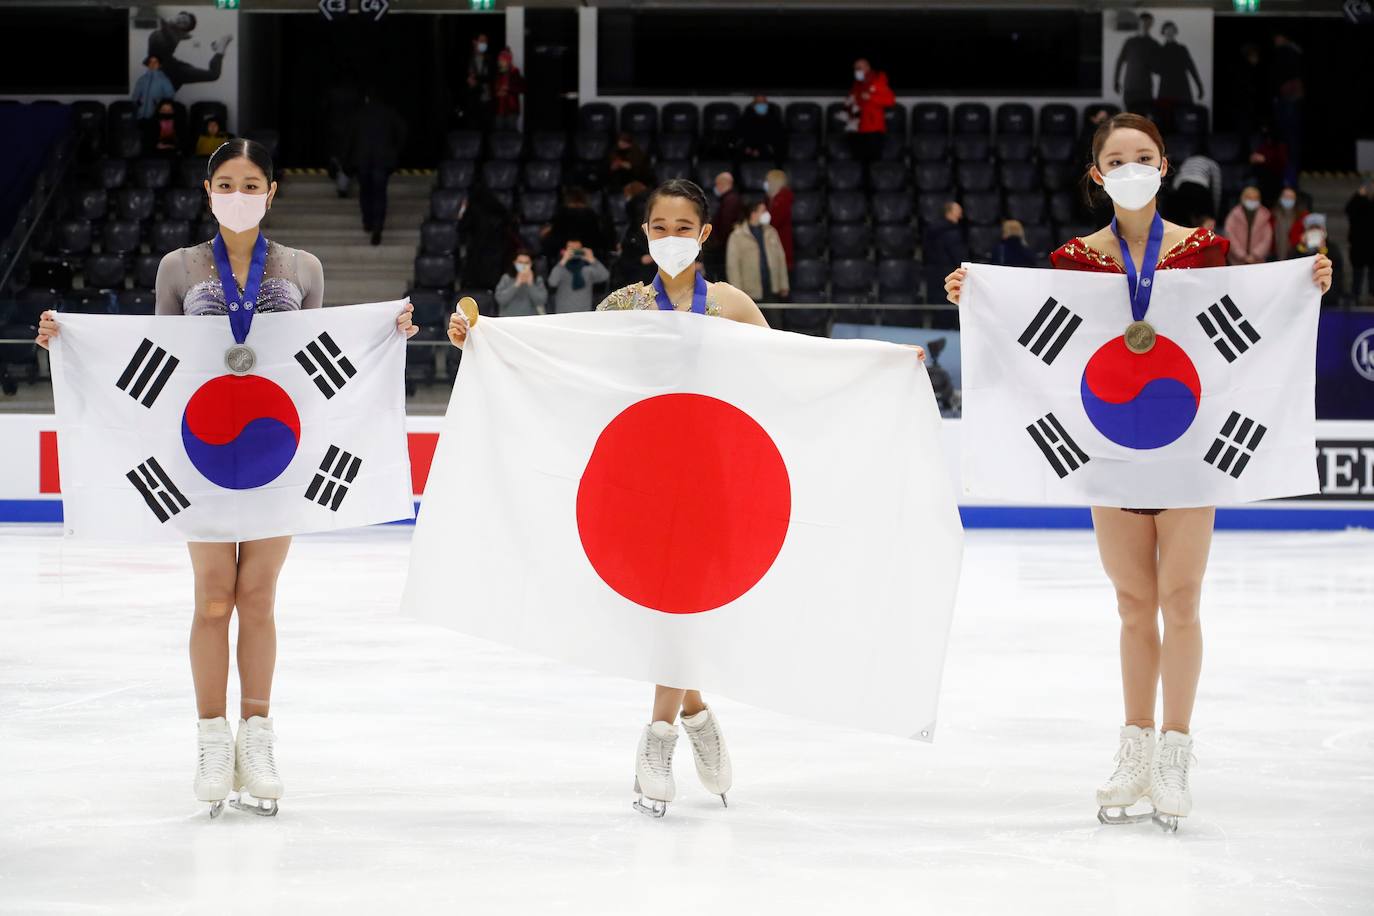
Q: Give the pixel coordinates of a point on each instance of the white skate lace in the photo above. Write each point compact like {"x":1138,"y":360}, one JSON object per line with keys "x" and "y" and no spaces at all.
{"x":214,"y":764}
{"x":1171,"y":769}
{"x":257,"y":748}
{"x":706,"y":742}
{"x":658,"y":756}
{"x":1127,"y":759}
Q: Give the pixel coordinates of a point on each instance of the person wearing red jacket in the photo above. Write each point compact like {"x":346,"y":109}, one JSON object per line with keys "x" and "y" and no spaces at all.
{"x":869,"y":97}
{"x":506,"y":88}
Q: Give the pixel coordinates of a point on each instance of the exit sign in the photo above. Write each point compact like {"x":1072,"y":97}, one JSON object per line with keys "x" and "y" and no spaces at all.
{"x":482,"y":4}
{"x":1246,"y":6}
{"x":227,"y":4}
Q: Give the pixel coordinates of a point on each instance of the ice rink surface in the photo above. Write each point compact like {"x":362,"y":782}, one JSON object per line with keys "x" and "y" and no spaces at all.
{"x":427,"y":772}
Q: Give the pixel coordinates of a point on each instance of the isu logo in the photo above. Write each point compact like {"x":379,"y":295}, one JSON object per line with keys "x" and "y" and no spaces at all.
{"x":1362,"y":354}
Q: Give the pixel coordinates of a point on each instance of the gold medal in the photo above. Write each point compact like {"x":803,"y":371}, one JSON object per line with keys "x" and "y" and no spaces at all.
{"x":1140,"y":337}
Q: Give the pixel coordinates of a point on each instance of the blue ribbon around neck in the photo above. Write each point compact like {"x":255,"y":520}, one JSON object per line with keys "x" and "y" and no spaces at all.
{"x":241,"y":304}
{"x":698,"y":295}
{"x":1141,"y":284}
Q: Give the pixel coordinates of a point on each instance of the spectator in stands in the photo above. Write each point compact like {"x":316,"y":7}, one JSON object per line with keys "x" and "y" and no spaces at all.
{"x":506,"y":88}
{"x":1139,"y":58}
{"x":1270,"y":161}
{"x":1013,"y":251}
{"x":162,"y":44}
{"x":164,"y":136}
{"x":341,"y":109}
{"x":1288,"y":219}
{"x":780,"y":206}
{"x":1175,"y":65}
{"x":153,"y":87}
{"x":1250,"y":227}
{"x":520,"y":292}
{"x":1093,"y":116}
{"x":474,"y":96}
{"x":1359,"y":210}
{"x":728,"y":210}
{"x":1196,"y":191}
{"x":489,"y":239}
{"x":634,"y":264}
{"x":574,"y":276}
{"x":945,"y":249}
{"x":869,"y":97}
{"x":379,"y":135}
{"x":1286,"y":78}
{"x":760,"y":132}
{"x":574,"y":220}
{"x":754,"y":261}
{"x":1314,"y":240}
{"x":627,"y":163}
{"x":1245,"y":92}
{"x":211,"y":137}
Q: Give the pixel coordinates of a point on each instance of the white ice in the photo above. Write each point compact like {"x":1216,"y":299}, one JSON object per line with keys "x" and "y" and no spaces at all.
{"x":429,"y":772}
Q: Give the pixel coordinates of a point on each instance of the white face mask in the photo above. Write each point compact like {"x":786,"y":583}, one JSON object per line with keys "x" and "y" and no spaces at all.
{"x":237,"y":211}
{"x":1132,"y":185}
{"x":1250,"y":204}
{"x":673,"y":254}
{"x":858,"y":76}
{"x":1313,"y":239}
{"x":521,"y":267}
{"x":765,"y":218}
{"x":1287,"y":202}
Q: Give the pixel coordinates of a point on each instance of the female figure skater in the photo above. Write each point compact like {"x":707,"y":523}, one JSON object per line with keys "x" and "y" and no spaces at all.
{"x":228,"y":576}
{"x":1154,"y":558}
{"x":676,"y":224}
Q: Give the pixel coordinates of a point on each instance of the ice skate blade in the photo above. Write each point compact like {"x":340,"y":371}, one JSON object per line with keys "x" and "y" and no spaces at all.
{"x":216,"y":809}
{"x":723,"y":802}
{"x":1115,"y":816}
{"x":654,"y":808}
{"x":263,"y":807}
{"x":1167,"y":822}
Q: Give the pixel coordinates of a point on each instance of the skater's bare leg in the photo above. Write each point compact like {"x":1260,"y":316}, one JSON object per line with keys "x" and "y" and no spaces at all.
{"x":216,"y":573}
{"x":1127,"y":544}
{"x":255,"y":595}
{"x":667,"y":703}
{"x":1185,"y":537}
{"x":692,"y":703}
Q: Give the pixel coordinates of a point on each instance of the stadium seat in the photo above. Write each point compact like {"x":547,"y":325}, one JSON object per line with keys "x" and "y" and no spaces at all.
{"x":103,"y":271}
{"x":1026,"y":206}
{"x":897,"y":280}
{"x":596,"y":117}
{"x":720,"y":117}
{"x":891,"y":206}
{"x":505,"y":144}
{"x":1225,"y":147}
{"x":169,"y":234}
{"x":894,"y":149}
{"x":844,"y":175}
{"x":972,"y":148}
{"x":590,"y":145}
{"x":807,"y":206}
{"x":808,"y":240}
{"x":548,"y":145}
{"x":191,"y":172}
{"x":982,"y":208}
{"x":975,"y":176}
{"x":120,"y":111}
{"x":897,"y":240}
{"x":931,"y":118}
{"x":1190,"y":119}
{"x":435,"y":272}
{"x":463,"y":144}
{"x":615,"y":209}
{"x":499,"y":174}
{"x":1039,"y":240}
{"x":708,"y":169}
{"x":543,"y":176}
{"x":125,"y":141}
{"x":639,"y":117}
{"x":89,"y":116}
{"x":73,"y":237}
{"x":803,"y":146}
{"x":802,"y":174}
{"x":666,"y":169}
{"x":676,"y":145}
{"x":431,"y":309}
{"x":752,"y":175}
{"x":847,"y":206}
{"x":457,"y":174}
{"x":1063,"y":206}
{"x":120,"y":237}
{"x":809,"y":275}
{"x":1058,"y":176}
{"x":531,"y":235}
{"x":267,"y":137}
{"x":929,"y":147}
{"x":136,"y":204}
{"x":145,"y":270}
{"x":90,"y":203}
{"x":887,"y":176}
{"x":972,"y":118}
{"x":803,"y":117}
{"x":1056,"y":147}
{"x":506,"y":196}
{"x":1058,"y":119}
{"x":1234,"y":176}
{"x":438,"y":236}
{"x":932,"y":176}
{"x":205,"y":230}
{"x":1017,"y":176}
{"x":895,"y":117}
{"x":32,"y":302}
{"x":112,"y":173}
{"x":849,"y":240}
{"x":851,"y":280}
{"x":1015,"y":118}
{"x":681,"y":118}
{"x":838,"y":146}
{"x":183,"y":203}
{"x":445,"y":203}
{"x":836,"y":118}
{"x":1014,"y":147}
{"x":205,"y":110}
{"x":538,"y":206}
{"x":644,"y":140}
{"x":1180,"y":146}
{"x":982,"y":241}
{"x":137,"y":301}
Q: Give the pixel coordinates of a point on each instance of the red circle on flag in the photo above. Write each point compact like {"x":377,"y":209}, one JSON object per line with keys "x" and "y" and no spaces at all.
{"x":684,"y":504}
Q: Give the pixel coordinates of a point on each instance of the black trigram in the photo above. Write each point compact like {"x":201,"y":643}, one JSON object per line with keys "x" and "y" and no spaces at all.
{"x":157,"y":490}
{"x":330,"y":485}
{"x":147,"y":373}
{"x":1235,"y":445}
{"x":326,"y":365}
{"x":1051,"y":328}
{"x":1059,"y":450}
{"x":1229,"y":330}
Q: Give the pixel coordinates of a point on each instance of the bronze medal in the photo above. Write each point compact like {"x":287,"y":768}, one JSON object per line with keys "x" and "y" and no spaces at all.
{"x":1140,"y":337}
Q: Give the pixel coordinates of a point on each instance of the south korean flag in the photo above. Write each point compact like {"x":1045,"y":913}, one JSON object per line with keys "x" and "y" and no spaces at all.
{"x":159,"y":439}
{"x":1057,"y":409}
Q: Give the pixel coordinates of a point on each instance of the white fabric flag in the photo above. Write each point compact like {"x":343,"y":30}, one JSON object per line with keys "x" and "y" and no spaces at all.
{"x":1220,"y":411}
{"x":158,"y":440}
{"x":699,"y":503}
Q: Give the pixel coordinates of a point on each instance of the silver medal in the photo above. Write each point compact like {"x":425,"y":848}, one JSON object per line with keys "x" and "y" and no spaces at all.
{"x":240,"y":359}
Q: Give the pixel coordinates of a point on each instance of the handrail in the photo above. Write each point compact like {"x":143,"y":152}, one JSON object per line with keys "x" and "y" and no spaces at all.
{"x":54,"y":187}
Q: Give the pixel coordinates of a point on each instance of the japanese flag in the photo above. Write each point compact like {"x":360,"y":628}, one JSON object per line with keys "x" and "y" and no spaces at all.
{"x":698,"y":503}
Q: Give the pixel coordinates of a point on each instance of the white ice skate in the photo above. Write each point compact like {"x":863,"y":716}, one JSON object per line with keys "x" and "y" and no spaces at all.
{"x":214,"y":763}
{"x":712,"y":757}
{"x":255,"y":770}
{"x":1169,"y":779}
{"x":1131,"y":781}
{"x":654,"y":769}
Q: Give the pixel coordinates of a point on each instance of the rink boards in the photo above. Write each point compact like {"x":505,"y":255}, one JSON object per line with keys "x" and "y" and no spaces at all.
{"x":30,"y":482}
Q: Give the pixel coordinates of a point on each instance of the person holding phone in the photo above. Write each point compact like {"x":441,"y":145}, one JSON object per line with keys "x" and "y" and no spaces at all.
{"x":574,"y":276}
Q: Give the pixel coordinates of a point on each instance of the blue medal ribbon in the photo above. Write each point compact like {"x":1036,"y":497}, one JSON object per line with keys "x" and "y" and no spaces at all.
{"x":240,"y":304}
{"x":698,"y":295}
{"x":1141,"y":284}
